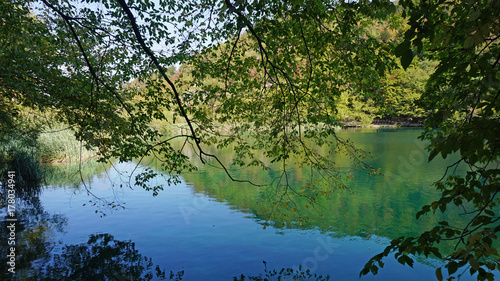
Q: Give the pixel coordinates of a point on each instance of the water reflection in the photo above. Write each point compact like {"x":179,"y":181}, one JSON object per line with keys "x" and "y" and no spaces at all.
{"x":283,"y":274}
{"x":103,"y":258}
{"x":72,"y":174}
{"x":383,"y":206}
{"x":37,"y":251}
{"x":31,"y":229}
{"x":213,"y":228}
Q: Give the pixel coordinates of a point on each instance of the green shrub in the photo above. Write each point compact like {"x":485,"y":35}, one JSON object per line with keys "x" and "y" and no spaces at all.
{"x":23,"y":159}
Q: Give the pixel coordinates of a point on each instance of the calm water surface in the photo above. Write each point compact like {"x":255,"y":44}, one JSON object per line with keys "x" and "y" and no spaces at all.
{"x":213,"y":229}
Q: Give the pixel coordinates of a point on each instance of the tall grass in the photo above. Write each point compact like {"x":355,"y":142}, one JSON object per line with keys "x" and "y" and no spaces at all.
{"x":25,"y":157}
{"x":60,"y":145}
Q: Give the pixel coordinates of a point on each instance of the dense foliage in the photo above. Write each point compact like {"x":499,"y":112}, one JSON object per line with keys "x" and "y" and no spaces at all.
{"x":271,"y":80}
{"x":463,"y":94}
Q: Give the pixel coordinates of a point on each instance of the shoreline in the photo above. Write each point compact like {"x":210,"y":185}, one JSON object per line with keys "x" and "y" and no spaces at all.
{"x":394,"y":124}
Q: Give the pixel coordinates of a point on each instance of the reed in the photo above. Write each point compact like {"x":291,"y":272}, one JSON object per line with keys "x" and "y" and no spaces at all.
{"x":25,"y":157}
{"x":60,"y":145}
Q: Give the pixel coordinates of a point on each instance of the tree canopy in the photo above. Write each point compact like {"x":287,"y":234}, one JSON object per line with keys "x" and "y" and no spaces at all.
{"x":270,"y":77}
{"x":463,"y":94}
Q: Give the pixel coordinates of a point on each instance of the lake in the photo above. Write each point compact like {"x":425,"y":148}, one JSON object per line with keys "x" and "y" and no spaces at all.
{"x":210,"y":228}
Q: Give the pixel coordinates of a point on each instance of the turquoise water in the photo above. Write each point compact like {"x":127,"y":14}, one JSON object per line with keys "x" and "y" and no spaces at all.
{"x":213,"y":229}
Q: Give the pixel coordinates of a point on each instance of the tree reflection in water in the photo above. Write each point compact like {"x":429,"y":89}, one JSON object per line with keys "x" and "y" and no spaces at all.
{"x":100,"y":258}
{"x":35,"y":230}
{"x":283,"y":274}
{"x":104,"y":258}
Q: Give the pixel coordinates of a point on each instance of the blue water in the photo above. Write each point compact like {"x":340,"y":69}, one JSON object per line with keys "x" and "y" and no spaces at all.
{"x":210,"y":240}
{"x":210,"y":228}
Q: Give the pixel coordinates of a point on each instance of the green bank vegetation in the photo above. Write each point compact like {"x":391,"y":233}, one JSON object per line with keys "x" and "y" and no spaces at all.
{"x":38,"y":143}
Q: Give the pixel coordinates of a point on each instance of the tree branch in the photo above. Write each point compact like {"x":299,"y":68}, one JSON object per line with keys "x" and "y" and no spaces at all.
{"x":145,"y":48}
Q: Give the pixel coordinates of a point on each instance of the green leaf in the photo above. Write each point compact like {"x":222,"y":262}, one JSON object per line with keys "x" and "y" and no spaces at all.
{"x":452,"y":267}
{"x":433,"y":154}
{"x":474,"y":263}
{"x":402,"y":48}
{"x":442,"y":207}
{"x":406,"y":58}
{"x":439,"y":274}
